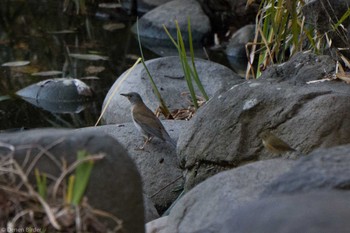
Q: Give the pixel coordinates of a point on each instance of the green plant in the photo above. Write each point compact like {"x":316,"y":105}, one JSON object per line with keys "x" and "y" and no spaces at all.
{"x":82,"y":176}
{"x":190,"y":71}
{"x":41,"y":183}
{"x":163,"y":106}
{"x":281,"y":32}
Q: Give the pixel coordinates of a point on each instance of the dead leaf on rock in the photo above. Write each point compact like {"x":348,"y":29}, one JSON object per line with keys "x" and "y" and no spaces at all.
{"x":113,"y":26}
{"x":94,"y":69}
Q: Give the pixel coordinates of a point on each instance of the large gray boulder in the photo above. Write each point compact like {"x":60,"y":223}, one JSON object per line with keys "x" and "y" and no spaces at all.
{"x":236,"y":48}
{"x":225,"y":131}
{"x":207,"y":206}
{"x":151,"y":24}
{"x":167,"y":73}
{"x":157,"y":163}
{"x":308,"y":213}
{"x":323,"y":169}
{"x":114,"y":185}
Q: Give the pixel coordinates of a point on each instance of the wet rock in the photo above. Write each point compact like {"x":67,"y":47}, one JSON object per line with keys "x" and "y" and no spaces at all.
{"x":151,"y":24}
{"x":229,"y":14}
{"x":114,"y":185}
{"x":157,"y":225}
{"x":323,"y":169}
{"x":142,"y":6}
{"x":151,"y":212}
{"x":157,"y":163}
{"x":168,"y":75}
{"x":239,"y":39}
{"x":60,"y":95}
{"x":224,"y":133}
{"x":300,"y":69}
{"x":313,"y":212}
{"x":207,"y":206}
{"x":236,"y":51}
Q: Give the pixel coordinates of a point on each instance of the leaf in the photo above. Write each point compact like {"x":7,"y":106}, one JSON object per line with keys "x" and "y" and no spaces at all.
{"x":62,"y":32}
{"x":89,"y":57}
{"x":113,"y":26}
{"x":82,"y":176}
{"x":47,"y":73}
{"x":16,"y":63}
{"x":344,"y":76}
{"x":94,"y":69}
{"x":90,"y":78}
{"x":110,"y":5}
{"x":4,"y":97}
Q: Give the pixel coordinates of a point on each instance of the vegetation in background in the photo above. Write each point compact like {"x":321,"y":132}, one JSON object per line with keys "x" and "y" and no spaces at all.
{"x":53,"y":206}
{"x":190,"y":71}
{"x":281,"y":32}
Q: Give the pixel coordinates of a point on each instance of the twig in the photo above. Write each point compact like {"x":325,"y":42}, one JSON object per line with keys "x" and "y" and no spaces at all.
{"x":43,"y":152}
{"x":8,"y":146}
{"x":16,"y":217}
{"x":13,"y":190}
{"x":105,"y":214}
{"x":166,"y":186}
{"x":46,"y":207}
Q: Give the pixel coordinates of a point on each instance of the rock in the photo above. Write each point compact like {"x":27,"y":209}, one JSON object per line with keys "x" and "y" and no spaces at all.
{"x":157,"y":226}
{"x":167,"y":73}
{"x":229,"y":14}
{"x":207,"y":206}
{"x":322,"y":169}
{"x":114,"y":185}
{"x":224,"y":133}
{"x":151,"y":24}
{"x":310,"y":213}
{"x":143,"y":6}
{"x":59,"y":95}
{"x":236,"y":51}
{"x":157,"y":163}
{"x":239,"y":39}
{"x":300,"y":69}
{"x":151,"y":212}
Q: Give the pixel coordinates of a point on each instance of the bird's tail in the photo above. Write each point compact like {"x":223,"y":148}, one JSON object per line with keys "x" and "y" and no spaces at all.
{"x":170,"y":140}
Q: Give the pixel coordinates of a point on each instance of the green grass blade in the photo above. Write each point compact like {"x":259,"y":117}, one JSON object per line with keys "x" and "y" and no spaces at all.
{"x":171,"y":38}
{"x":41,"y":183}
{"x":185,"y":65}
{"x":195,"y":73}
{"x":82,"y":176}
{"x":163,"y":105}
{"x":344,"y":17}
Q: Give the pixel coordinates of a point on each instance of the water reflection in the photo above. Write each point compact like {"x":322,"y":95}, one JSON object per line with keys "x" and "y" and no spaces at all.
{"x":41,"y":33}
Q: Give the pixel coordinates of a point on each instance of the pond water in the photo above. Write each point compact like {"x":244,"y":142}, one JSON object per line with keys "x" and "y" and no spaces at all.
{"x":43,"y":34}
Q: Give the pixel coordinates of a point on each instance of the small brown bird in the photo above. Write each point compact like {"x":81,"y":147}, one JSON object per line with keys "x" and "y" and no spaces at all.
{"x":145,"y":120}
{"x":274,"y":144}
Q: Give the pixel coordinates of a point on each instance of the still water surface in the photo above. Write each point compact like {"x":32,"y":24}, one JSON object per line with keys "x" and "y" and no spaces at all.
{"x":40,"y":32}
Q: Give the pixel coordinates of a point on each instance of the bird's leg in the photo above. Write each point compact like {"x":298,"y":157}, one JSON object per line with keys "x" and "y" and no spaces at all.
{"x":148,"y":139}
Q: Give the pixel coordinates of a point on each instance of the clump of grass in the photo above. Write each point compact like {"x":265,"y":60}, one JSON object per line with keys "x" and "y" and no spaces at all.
{"x":45,"y":209}
{"x":190,"y":70}
{"x":281,"y":32}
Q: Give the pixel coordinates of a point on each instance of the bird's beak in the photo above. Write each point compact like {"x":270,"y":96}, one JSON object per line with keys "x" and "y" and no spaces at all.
{"x":126,"y":95}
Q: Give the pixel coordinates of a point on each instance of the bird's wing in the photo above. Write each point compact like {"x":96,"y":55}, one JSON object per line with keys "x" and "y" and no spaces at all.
{"x":283,"y":146}
{"x":149,"y":123}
